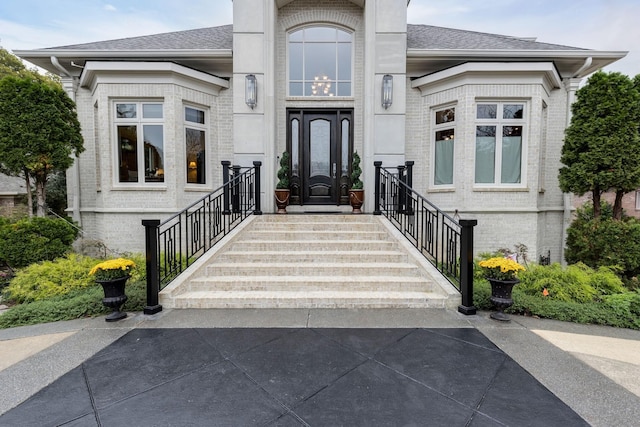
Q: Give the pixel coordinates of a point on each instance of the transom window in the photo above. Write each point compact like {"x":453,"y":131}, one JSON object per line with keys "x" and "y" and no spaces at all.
{"x":499,"y":145}
{"x":195,"y":143}
{"x":444,"y":128}
{"x":140,"y":143}
{"x":320,"y":62}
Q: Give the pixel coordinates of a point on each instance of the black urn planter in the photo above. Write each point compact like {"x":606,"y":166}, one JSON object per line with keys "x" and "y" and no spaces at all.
{"x":501,"y":297}
{"x":114,"y":297}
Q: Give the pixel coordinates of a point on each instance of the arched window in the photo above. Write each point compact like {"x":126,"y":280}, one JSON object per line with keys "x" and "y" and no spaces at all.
{"x":320,"y":62}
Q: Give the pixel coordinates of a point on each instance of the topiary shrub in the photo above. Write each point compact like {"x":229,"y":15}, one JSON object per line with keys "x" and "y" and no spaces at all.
{"x":283,"y":172}
{"x":356,"y":171}
{"x":31,"y":240}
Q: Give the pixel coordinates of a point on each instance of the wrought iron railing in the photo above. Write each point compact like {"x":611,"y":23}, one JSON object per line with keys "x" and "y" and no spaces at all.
{"x":173,"y":245}
{"x":445,"y":241}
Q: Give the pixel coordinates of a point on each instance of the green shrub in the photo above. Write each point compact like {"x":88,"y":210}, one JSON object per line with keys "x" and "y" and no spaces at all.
{"x":577,"y":282}
{"x":604,"y":242}
{"x":78,"y":303}
{"x":50,"y":278}
{"x":32,"y":240}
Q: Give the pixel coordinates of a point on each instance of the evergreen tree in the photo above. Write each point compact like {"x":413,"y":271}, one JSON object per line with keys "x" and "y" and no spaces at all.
{"x":601,"y":150}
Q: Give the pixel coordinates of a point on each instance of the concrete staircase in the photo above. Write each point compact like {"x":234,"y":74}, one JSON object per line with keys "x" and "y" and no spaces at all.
{"x":311,"y":261}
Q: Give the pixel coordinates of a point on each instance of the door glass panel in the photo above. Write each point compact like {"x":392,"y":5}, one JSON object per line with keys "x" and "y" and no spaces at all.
{"x":345,"y":147}
{"x":320,"y":142}
{"x":294,"y":146}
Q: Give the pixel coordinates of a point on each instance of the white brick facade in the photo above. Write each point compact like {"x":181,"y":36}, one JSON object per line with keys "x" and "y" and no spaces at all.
{"x":210,"y":75}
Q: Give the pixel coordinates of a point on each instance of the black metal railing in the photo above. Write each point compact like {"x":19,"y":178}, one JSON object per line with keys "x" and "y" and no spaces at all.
{"x":175,"y":244}
{"x":445,"y":241}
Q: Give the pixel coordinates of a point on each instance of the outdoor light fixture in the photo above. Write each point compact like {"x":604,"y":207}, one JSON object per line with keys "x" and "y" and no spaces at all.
{"x":387,"y":91}
{"x":251,"y":91}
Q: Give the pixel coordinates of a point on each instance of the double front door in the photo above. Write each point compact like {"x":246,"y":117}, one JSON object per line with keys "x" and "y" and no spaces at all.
{"x":321,"y":146}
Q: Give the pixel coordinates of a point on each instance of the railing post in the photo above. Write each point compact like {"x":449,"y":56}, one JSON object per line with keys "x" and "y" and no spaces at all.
{"x":466,"y":266}
{"x":376,"y":209}
{"x":401,"y":190}
{"x":153,"y":275}
{"x":235,"y":195}
{"x":407,"y":190}
{"x":225,"y":181}
{"x":257,"y":189}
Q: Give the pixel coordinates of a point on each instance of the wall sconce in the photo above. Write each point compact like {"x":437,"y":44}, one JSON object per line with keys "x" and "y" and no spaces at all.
{"x":192,"y":165}
{"x":387,"y":91}
{"x":251,"y":91}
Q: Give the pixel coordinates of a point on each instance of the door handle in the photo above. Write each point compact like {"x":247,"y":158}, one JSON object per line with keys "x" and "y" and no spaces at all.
{"x":334,"y":170}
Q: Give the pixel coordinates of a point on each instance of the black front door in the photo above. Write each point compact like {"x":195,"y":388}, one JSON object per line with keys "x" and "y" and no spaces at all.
{"x":320,"y":143}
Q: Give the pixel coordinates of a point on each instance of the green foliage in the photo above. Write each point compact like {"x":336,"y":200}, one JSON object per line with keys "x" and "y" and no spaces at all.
{"x":601,"y":151}
{"x":78,"y":302}
{"x":56,"y":190}
{"x":11,"y":65}
{"x":27,"y":241}
{"x":576,"y":282}
{"x":50,"y":278}
{"x":619,"y":310}
{"x":356,"y":183}
{"x":39,"y":131}
{"x":283,"y":172}
{"x":604,"y":241}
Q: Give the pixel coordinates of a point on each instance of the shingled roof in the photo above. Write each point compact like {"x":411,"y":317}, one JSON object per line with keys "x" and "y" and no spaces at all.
{"x":213,"y":38}
{"x":418,"y":37}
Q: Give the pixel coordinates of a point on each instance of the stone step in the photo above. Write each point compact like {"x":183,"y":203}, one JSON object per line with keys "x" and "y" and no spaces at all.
{"x":285,"y":269}
{"x":319,"y":226}
{"x":304,"y":235}
{"x":301,"y":283}
{"x":314,"y":245}
{"x":308,"y":299}
{"x":308,"y":219}
{"x":308,"y":256}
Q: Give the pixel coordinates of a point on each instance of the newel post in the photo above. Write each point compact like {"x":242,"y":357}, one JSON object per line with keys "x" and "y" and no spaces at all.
{"x":226,"y":164}
{"x":466,"y":266}
{"x":376,"y":209}
{"x":152,"y":264}
{"x":401,"y":194}
{"x":257,"y":190}
{"x":235,"y":195}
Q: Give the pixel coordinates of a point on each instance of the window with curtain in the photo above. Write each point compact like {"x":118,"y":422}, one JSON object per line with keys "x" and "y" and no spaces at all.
{"x":320,"y":62}
{"x":140,"y":142}
{"x":195,"y":143}
{"x":499,"y":143}
{"x":444,"y":128}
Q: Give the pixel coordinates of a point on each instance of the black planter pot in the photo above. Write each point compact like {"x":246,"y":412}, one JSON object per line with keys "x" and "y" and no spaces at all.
{"x":501,"y":297}
{"x":114,"y":297}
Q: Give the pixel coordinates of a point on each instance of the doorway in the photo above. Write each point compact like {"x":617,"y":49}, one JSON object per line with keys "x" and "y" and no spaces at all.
{"x":321,"y":146}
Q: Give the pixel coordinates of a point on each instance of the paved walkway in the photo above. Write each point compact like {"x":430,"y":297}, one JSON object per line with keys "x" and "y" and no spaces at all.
{"x":318,"y":367}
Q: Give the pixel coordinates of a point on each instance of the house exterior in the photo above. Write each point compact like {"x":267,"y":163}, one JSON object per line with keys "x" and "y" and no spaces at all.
{"x":481,"y":115}
{"x":12,"y":195}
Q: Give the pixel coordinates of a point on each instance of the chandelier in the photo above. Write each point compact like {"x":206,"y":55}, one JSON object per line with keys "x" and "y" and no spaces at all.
{"x":321,"y":86}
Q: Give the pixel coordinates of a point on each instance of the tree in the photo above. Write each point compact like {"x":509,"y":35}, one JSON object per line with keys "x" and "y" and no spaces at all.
{"x":39,"y":131}
{"x":11,"y":65}
{"x":601,"y":150}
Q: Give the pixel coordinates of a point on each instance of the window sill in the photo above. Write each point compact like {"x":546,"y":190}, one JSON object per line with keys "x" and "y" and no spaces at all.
{"x":203,"y":188}
{"x":441,"y":189}
{"x":501,"y":189}
{"x":139,"y":187}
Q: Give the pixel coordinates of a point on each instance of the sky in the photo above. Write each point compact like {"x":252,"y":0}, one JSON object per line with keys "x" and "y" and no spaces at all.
{"x":607,"y":25}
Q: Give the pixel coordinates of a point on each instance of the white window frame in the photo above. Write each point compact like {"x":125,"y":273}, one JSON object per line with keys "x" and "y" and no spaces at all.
{"x":304,"y":80}
{"x":188,"y":124}
{"x":139,"y":121}
{"x":435,"y":128}
{"x":499,"y":123}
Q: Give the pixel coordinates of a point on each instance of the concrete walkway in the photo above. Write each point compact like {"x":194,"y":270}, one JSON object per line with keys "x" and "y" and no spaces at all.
{"x":593,"y":370}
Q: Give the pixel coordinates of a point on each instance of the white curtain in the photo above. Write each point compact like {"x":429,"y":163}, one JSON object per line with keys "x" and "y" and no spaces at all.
{"x":511,"y":159}
{"x":485,"y":159}
{"x":444,"y":162}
